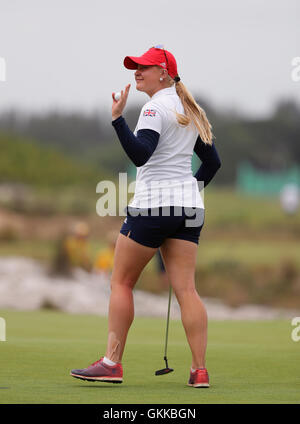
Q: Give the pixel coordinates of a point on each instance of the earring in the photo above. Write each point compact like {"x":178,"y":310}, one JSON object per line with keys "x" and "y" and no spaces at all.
{"x":161,"y":78}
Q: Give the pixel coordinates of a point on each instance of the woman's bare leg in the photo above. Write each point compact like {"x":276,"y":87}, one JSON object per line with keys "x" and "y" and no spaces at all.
{"x":129,"y":260}
{"x":180,"y":261}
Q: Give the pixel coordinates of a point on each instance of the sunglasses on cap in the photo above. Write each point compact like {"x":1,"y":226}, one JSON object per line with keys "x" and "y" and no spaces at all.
{"x":161,"y":47}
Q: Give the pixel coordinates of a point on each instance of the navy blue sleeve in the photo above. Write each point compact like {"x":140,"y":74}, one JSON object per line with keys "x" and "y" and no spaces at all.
{"x":210,"y":161}
{"x":138,"y":148}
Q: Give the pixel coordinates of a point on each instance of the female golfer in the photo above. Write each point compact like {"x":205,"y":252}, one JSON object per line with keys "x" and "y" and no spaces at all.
{"x":170,"y":127}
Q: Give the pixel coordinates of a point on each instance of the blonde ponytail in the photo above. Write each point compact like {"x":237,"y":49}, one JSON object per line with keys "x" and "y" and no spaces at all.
{"x":193,"y":113}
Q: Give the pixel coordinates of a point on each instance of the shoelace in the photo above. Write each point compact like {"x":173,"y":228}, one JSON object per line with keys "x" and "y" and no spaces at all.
{"x":96,"y":362}
{"x":203,"y":371}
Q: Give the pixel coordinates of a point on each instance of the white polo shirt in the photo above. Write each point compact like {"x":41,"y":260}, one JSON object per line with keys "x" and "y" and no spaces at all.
{"x":166,"y":179}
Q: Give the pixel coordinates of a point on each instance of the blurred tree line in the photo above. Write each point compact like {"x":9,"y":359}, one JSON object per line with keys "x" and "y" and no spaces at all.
{"x":270,"y":143}
{"x":27,"y":161}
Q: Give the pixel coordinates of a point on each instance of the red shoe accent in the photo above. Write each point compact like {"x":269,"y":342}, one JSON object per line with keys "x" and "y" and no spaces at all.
{"x":199,"y":378}
{"x":99,"y":371}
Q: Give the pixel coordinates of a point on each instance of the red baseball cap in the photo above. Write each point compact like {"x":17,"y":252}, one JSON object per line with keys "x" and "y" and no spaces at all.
{"x":154,"y":56}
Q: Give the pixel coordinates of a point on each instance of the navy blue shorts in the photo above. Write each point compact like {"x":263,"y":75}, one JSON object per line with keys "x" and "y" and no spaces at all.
{"x":150,"y":227}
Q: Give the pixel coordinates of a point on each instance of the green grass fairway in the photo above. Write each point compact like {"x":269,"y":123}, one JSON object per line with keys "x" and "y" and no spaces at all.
{"x":248,"y":362}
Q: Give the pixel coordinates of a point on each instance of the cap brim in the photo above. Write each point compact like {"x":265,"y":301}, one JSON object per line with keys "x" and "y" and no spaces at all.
{"x":131,"y":62}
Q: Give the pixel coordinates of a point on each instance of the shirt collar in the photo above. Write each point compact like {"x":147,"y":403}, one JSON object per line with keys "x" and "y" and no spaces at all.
{"x":164,"y":92}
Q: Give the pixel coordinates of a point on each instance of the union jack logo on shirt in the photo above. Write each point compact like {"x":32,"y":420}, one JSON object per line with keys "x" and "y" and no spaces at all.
{"x":149,"y":112}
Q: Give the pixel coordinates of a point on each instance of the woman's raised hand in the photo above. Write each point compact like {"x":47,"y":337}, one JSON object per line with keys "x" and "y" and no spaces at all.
{"x":119,"y":105}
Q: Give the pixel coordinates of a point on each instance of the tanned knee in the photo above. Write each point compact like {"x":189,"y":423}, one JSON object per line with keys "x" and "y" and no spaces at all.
{"x":127,"y":283}
{"x":184,"y":291}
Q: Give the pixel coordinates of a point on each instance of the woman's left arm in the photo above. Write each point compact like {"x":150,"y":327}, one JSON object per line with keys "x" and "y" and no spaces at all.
{"x":210,"y":161}
{"x":138,"y":148}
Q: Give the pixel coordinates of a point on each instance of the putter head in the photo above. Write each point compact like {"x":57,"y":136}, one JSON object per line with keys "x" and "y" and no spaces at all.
{"x":164,"y":371}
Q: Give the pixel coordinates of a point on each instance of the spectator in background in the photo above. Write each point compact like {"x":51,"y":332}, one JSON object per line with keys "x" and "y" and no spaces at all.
{"x":290,"y":198}
{"x":73,"y":250}
{"x":105,"y":258}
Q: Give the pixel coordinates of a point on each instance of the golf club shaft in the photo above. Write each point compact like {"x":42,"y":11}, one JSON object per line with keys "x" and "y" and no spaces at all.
{"x":167,"y":330}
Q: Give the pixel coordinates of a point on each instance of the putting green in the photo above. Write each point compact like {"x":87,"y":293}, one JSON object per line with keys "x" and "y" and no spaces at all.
{"x":248,"y":361}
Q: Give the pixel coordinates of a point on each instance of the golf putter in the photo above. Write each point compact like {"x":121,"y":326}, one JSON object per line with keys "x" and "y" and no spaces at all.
{"x":167,"y":369}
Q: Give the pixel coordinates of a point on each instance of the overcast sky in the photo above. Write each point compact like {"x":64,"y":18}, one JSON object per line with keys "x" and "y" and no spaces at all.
{"x":68,"y":54}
